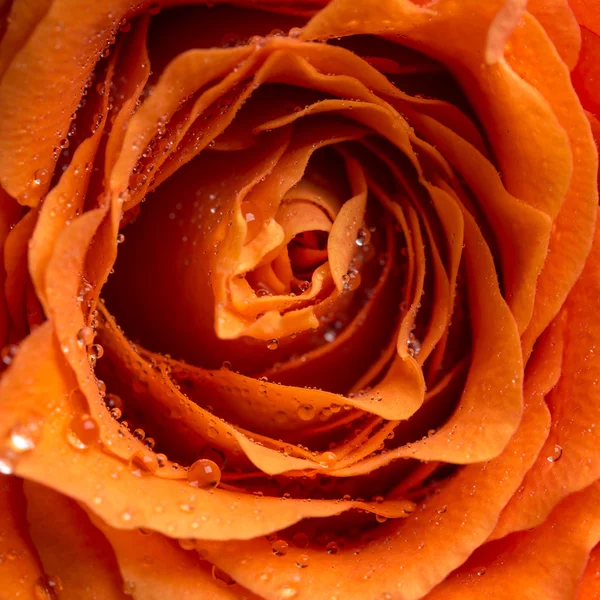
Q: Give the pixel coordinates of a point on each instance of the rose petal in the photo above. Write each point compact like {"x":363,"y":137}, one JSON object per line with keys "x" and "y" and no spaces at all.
{"x":20,"y":567}
{"x":70,"y":547}
{"x":546,"y":562}
{"x":568,"y":461}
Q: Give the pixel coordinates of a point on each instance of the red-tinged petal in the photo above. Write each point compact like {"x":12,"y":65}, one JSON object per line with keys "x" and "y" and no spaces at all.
{"x":20,"y":567}
{"x":10,"y":212}
{"x":70,"y":547}
{"x":546,"y":562}
{"x":586,"y":75}
{"x":587,"y":14}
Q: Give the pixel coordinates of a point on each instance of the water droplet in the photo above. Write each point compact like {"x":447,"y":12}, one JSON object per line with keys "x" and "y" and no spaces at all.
{"x":327,"y":459}
{"x":221,"y":576}
{"x":212,"y":432}
{"x":303,"y":561}
{"x":481,"y":571}
{"x":96,"y":351}
{"x":204,"y":474}
{"x":149,"y":443}
{"x":162,"y":460}
{"x":557,"y":452}
{"x":126,"y":516}
{"x":143,"y":464}
{"x":286,"y":592}
{"x":120,"y":238}
{"x":187,"y":544}
{"x":363,"y":237}
{"x":139,"y":434}
{"x":414,"y":346}
{"x":300,"y":540}
{"x":24,"y":437}
{"x":8,"y":353}
{"x":280,"y":547}
{"x":273,"y":344}
{"x":41,"y":177}
{"x":7,"y":462}
{"x":332,"y":548}
{"x":113,"y":401}
{"x":226,"y":365}
{"x":381,"y":518}
{"x":85,"y":336}
{"x":83,"y":432}
{"x":306,"y":412}
{"x":129,"y":588}
{"x":116,"y":413}
{"x":48,"y":587}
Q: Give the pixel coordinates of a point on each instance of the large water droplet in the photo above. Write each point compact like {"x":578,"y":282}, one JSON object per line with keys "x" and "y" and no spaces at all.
{"x":141,"y":465}
{"x":280,"y":547}
{"x":204,"y":474}
{"x":83,"y":432}
{"x":24,"y":437}
{"x":273,"y":344}
{"x":557,"y":452}
{"x":303,"y":561}
{"x":85,"y":336}
{"x":306,"y":412}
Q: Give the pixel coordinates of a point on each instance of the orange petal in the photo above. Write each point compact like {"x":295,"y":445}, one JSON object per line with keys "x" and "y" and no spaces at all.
{"x":411,"y":556}
{"x":70,"y":547}
{"x":20,"y":567}
{"x":157,"y":568}
{"x":569,"y":459}
{"x":546,"y":562}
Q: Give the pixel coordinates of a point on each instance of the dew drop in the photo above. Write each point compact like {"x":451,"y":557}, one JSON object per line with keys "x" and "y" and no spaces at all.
{"x":113,"y":401}
{"x":557,"y":452}
{"x":41,"y":177}
{"x":120,"y":238}
{"x":141,"y":465}
{"x":24,"y":437}
{"x":96,"y":351}
{"x":481,"y":572}
{"x":116,"y":413}
{"x":8,"y":353}
{"x":286,"y":592}
{"x":332,"y":548}
{"x":85,"y":336}
{"x":83,"y":432}
{"x":139,"y":434}
{"x":381,"y":518}
{"x":204,"y":474}
{"x":48,"y":587}
{"x":129,"y":588}
{"x":7,"y":462}
{"x":273,"y":344}
{"x":212,"y":432}
{"x":303,"y":561}
{"x":280,"y":547}
{"x":414,"y":346}
{"x":161,"y":460}
{"x":327,"y":459}
{"x":301,"y":540}
{"x":221,"y":576}
{"x":363,"y":237}
{"x":187,"y":544}
{"x":306,"y":412}
{"x":149,"y":443}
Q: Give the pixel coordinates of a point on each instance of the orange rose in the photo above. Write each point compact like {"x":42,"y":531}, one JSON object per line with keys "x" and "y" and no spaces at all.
{"x":349,"y":346}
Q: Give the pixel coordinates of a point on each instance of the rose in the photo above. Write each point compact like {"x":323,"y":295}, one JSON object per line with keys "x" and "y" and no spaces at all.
{"x":399,"y":217}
